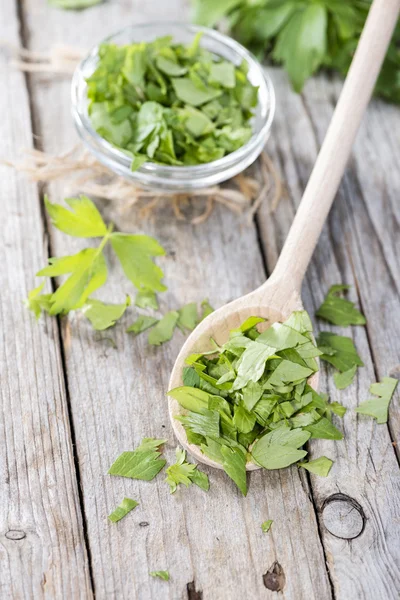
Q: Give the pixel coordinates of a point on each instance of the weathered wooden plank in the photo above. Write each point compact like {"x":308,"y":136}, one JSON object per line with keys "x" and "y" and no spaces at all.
{"x":42,"y":548}
{"x":118,"y":396}
{"x":361,"y":544}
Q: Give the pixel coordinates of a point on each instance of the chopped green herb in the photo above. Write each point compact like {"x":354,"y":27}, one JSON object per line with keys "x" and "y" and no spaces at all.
{"x":146,"y":299}
{"x":343,"y":380}
{"x":37,"y":302}
{"x":87,"y":270}
{"x":249,"y":398}
{"x":101,"y":315}
{"x":338,"y":310}
{"x":188,"y":318}
{"x":142,"y":323}
{"x":164,"y":329}
{"x":161,"y":574}
{"x":186,"y":473}
{"x":378,"y":408}
{"x":319,"y":466}
{"x":339,"y":351}
{"x":73,"y":4}
{"x":170,"y":103}
{"x":206,"y":309}
{"x":266,"y":526}
{"x":142,"y":463}
{"x":122,"y":510}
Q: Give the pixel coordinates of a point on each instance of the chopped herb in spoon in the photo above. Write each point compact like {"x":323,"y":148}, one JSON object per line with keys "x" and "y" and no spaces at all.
{"x":169,"y":103}
{"x":250,"y":401}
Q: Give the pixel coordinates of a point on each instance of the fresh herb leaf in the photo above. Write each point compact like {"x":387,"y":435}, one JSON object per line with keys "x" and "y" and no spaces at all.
{"x":319,"y":466}
{"x":337,"y":408}
{"x":161,"y":574}
{"x":324,"y":430}
{"x":164,"y":329}
{"x":73,"y":4}
{"x":142,"y":323}
{"x":143,"y":463}
{"x":190,"y":398}
{"x":135,"y":253}
{"x":378,"y":408}
{"x":37,"y":302}
{"x":266,"y":526}
{"x":83,"y":220}
{"x":186,"y":473}
{"x":234,"y":463}
{"x":188,"y":318}
{"x":101,"y":315}
{"x":343,"y":380}
{"x":122,"y":510}
{"x":279,"y":448}
{"x":338,"y":310}
{"x":206,"y":423}
{"x":206,"y":308}
{"x":146,"y":299}
{"x":339,"y":351}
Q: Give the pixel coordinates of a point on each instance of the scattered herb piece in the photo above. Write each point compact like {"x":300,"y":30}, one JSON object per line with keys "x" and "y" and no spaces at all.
{"x":339,"y":351}
{"x":206,"y":309}
{"x":122,"y":510}
{"x":142,"y":463}
{"x":186,"y":473}
{"x":266,"y":526}
{"x":101,"y":315}
{"x":146,"y":299}
{"x":161,"y":574}
{"x":142,"y":323}
{"x":188,"y":318}
{"x":170,"y":103}
{"x":249,"y":398}
{"x":343,"y":380}
{"x":338,"y":310}
{"x":319,"y":466}
{"x":73,"y":4}
{"x":37,"y":302}
{"x":337,"y":408}
{"x":378,"y":408}
{"x":87,"y":270}
{"x":164,"y":329}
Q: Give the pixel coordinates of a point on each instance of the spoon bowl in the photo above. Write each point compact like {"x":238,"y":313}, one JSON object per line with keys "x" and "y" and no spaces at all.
{"x":264,"y":302}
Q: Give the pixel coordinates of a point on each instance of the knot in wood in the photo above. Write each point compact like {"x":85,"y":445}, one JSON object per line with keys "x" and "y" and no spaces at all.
{"x":15,"y":535}
{"x":274,"y":579}
{"x":343,"y":516}
{"x":144,"y":524}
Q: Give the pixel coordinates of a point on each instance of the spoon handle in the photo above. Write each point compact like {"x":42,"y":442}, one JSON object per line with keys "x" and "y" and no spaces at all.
{"x":333,"y":156}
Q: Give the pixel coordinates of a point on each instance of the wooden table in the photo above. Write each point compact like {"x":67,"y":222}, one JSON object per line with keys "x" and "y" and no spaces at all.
{"x":71,"y":401}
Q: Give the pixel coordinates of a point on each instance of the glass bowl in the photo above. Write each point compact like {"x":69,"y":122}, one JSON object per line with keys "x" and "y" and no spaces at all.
{"x":163,"y":177}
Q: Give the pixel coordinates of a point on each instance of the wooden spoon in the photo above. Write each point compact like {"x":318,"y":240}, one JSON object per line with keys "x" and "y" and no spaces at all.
{"x":280,"y":295}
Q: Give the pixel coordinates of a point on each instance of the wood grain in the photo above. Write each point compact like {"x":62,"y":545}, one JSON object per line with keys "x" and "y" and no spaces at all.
{"x":42,"y":549}
{"x":211,"y":543}
{"x":363,"y":561}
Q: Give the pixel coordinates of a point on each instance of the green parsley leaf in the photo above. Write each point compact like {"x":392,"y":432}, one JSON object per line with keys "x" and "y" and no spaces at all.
{"x":164,"y":329}
{"x":191,"y":398}
{"x":189,"y":93}
{"x":161,"y":574}
{"x":319,"y":466}
{"x":343,"y":380}
{"x":251,"y":364}
{"x":143,"y":463}
{"x":324,"y":430}
{"x":36,"y":302}
{"x":73,"y":4}
{"x":135,"y":253}
{"x":266,"y":526}
{"x":146,"y":299}
{"x":209,"y":12}
{"x":83,"y":220}
{"x":188,"y":318}
{"x":338,"y":310}
{"x":207,"y":309}
{"x":206,"y":423}
{"x":234,"y":463}
{"x":337,"y":408}
{"x":378,"y":408}
{"x":200,"y":479}
{"x":88,"y":272}
{"x":243,"y":419}
{"x":186,"y":473}
{"x":339,"y":351}
{"x":279,"y":448}
{"x":122,"y":510}
{"x":142,"y":323}
{"x":101,"y":315}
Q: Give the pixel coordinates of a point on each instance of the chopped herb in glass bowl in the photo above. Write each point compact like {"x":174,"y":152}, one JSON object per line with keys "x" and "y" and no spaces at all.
{"x":173,"y":105}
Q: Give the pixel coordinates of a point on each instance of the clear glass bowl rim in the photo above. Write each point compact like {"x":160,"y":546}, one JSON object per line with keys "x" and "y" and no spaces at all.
{"x":123,"y":161}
